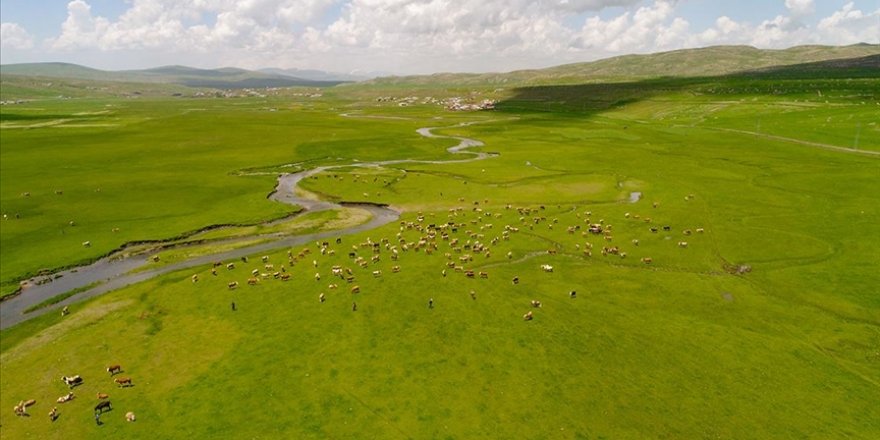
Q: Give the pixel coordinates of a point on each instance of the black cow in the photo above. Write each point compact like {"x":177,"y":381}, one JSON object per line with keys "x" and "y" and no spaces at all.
{"x":101,"y":406}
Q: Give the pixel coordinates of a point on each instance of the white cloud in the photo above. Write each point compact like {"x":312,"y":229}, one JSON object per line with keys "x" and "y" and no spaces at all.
{"x":162,"y":24}
{"x":845,"y":26}
{"x":428,"y":35}
{"x":850,"y":26}
{"x":13,"y":36}
{"x":800,"y":7}
{"x":650,"y":28}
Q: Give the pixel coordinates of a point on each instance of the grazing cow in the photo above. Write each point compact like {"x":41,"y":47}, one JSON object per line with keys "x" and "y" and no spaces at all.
{"x":317,"y":276}
{"x":484,"y":275}
{"x":218,"y":263}
{"x":66,"y":398}
{"x":123,"y":381}
{"x":573,"y":294}
{"x":321,"y":297}
{"x":547,"y":268}
{"x":509,"y":255}
{"x":155,"y":258}
{"x":53,"y":414}
{"x":214,"y":271}
{"x":101,"y":406}
{"x":443,"y":272}
{"x":700,"y":230}
{"x":232,"y":285}
{"x":255,"y":272}
{"x":528,"y":316}
{"x":103,"y":396}
{"x":65,"y":311}
{"x":230,"y":266}
{"x":72,"y":381}
{"x":87,"y":244}
{"x":683,"y":244}
{"x":469,"y":274}
{"x":113,"y":369}
{"x":536,"y":303}
{"x":377,"y":273}
{"x":253,"y":281}
{"x":686,"y":232}
{"x":129,"y":416}
{"x":356,"y":289}
{"x":265,"y":258}
{"x":285,"y":277}
{"x":635,"y":242}
{"x":395,"y":269}
{"x":666,"y":227}
{"x":647,"y":260}
{"x":473,"y":295}
{"x":195,"y":278}
{"x":515,"y":280}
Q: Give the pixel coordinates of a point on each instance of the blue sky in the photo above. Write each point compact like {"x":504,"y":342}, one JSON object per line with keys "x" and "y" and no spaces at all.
{"x":410,"y":36}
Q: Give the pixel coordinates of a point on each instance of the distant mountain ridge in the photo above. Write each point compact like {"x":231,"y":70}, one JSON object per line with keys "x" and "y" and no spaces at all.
{"x":316,"y":75}
{"x":709,"y":61}
{"x":227,"y":77}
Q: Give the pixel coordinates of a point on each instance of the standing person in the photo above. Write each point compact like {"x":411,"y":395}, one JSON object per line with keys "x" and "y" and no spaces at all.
{"x":430,"y":303}
{"x":53,"y":414}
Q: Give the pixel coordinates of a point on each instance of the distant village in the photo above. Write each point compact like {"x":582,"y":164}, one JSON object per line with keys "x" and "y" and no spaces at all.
{"x":455,"y":103}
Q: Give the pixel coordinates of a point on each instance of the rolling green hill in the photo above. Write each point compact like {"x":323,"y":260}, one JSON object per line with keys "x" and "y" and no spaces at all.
{"x":232,"y":78}
{"x":709,"y":61}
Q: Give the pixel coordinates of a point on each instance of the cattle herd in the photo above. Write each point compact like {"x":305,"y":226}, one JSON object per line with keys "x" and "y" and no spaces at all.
{"x":462,"y":243}
{"x":72,"y":382}
{"x":465,"y":235}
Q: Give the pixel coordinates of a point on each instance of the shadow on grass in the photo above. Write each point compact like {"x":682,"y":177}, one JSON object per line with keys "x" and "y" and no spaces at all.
{"x":857,"y":76}
{"x":6,"y":116}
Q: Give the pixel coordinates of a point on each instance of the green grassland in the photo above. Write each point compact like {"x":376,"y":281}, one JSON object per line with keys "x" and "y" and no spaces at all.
{"x":157,"y":169}
{"x":684,"y":347}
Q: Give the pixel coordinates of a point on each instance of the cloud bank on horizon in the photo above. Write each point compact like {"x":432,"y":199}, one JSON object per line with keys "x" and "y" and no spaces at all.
{"x":412,"y":36}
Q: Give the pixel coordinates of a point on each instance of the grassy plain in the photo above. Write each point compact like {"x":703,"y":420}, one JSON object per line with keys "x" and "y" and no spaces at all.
{"x":679,"y":348}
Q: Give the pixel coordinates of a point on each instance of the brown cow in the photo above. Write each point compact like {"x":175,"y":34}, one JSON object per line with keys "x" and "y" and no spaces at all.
{"x":123,"y":381}
{"x":113,"y":369}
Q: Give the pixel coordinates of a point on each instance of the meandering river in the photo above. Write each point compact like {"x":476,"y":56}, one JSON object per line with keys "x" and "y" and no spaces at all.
{"x":116,"y":271}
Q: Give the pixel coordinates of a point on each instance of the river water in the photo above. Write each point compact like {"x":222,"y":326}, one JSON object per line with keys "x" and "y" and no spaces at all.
{"x":115,"y":271}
